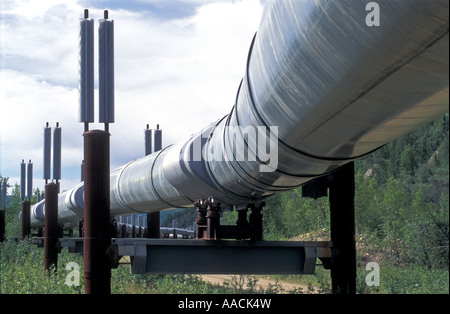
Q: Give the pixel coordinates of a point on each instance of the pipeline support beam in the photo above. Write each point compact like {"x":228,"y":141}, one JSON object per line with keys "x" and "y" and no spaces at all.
{"x":342,"y":225}
{"x":162,"y":256}
{"x":26,"y":227}
{"x":51,"y":232}
{"x":153,"y":219}
{"x":153,"y":225}
{"x":2,"y":225}
{"x":97,"y":238}
{"x":208,"y":225}
{"x":3,"y":196}
{"x":201,"y":219}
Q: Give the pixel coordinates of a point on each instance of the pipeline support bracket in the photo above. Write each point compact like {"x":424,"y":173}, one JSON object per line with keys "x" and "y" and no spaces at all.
{"x":339,"y":186}
{"x":209,"y":227}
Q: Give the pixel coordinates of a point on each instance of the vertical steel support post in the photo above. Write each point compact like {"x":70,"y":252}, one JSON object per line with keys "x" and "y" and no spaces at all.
{"x":200,"y":222}
{"x":2,"y":225}
{"x":97,"y":238}
{"x":342,"y":221}
{"x":153,"y":224}
{"x":3,"y":188}
{"x":26,"y":227}
{"x":213,"y":220}
{"x":51,"y":226}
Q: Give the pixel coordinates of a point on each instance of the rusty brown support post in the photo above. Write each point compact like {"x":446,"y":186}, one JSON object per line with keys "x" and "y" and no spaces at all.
{"x":174,"y":233}
{"x":2,"y":225}
{"x":201,"y":219}
{"x":51,"y":227}
{"x":97,"y":237}
{"x":213,"y":220}
{"x":26,"y":228}
{"x":342,"y":223}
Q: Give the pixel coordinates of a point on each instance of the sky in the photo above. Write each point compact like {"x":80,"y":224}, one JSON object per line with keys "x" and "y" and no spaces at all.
{"x":178,"y":63}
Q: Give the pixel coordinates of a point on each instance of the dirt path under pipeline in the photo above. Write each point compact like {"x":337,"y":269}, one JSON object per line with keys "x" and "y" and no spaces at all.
{"x":261,"y":283}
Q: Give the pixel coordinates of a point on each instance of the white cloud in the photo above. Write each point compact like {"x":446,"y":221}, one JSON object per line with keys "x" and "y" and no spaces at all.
{"x":181,"y":73}
{"x":41,"y":39}
{"x":31,"y":9}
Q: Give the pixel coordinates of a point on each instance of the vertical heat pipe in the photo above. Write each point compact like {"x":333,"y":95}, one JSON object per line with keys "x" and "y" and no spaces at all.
{"x":86,"y":70}
{"x":29,"y":180}
{"x":106,"y":70}
{"x":57,"y":137}
{"x":47,"y":152}
{"x":22,"y":180}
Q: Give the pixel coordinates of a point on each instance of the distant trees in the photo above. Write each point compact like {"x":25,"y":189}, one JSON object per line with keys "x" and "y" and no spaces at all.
{"x":184,"y":218}
{"x":12,"y":221}
{"x":288,"y":214}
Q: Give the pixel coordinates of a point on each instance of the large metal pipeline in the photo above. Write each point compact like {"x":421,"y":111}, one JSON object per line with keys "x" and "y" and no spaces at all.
{"x":321,"y":88}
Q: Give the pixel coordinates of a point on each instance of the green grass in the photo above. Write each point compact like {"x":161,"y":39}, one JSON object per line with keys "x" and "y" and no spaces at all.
{"x":406,"y":280}
{"x":22,"y":272}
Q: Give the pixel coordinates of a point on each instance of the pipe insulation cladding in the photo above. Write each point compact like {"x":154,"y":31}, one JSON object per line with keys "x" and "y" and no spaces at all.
{"x":322,"y":85}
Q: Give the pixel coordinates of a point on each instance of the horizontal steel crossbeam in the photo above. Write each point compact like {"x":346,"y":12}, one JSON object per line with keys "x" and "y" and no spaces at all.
{"x":171,"y":256}
{"x":189,"y":256}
